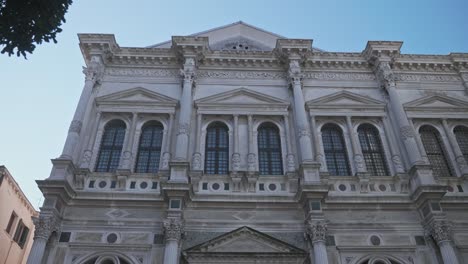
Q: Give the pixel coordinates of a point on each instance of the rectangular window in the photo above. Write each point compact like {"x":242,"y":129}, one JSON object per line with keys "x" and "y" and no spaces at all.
{"x":21,"y":234}
{"x":11,"y":222}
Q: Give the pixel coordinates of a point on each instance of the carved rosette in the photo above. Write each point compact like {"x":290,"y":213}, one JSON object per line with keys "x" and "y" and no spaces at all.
{"x":184,"y":129}
{"x":317,"y":231}
{"x":398,"y":164}
{"x":173,"y":229}
{"x":359,"y":161}
{"x":385,"y":74}
{"x":196,"y":161}
{"x":406,"y":132}
{"x":461,"y":162}
{"x":291,"y":162}
{"x":95,"y":70}
{"x":126,"y":159}
{"x":236,"y":160}
{"x":303,"y":132}
{"x":44,"y":226}
{"x":440,"y":230}
{"x":165,"y":160}
{"x":75,"y":127}
{"x":251,"y":160}
{"x":86,"y":159}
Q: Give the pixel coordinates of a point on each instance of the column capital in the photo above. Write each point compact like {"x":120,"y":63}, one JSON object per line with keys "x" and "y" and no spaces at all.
{"x":440,"y":230}
{"x":44,"y":226}
{"x":317,"y":230}
{"x":173,"y":228}
{"x":295,"y":74}
{"x":94,"y":70}
{"x":188,"y":69}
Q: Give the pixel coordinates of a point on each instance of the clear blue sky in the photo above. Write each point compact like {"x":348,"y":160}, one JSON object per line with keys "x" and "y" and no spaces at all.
{"x":39,"y":95}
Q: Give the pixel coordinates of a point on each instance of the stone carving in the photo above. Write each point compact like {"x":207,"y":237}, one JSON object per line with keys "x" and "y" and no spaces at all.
{"x":398,"y":165}
{"x":196,"y":161}
{"x":461,"y":162}
{"x":303,"y":132}
{"x":236,"y":160}
{"x":241,"y":75}
{"x":95,"y":70}
{"x":165,"y":160}
{"x":86,"y":159}
{"x":440,"y":231}
{"x":291,"y":162}
{"x":321,"y":159}
{"x":173,"y":228}
{"x":385,"y":74}
{"x":126,"y":159}
{"x":406,"y":132}
{"x":295,"y":75}
{"x":184,"y":128}
{"x":251,"y":160}
{"x":44,"y":226}
{"x":359,"y":161}
{"x":75,"y":127}
{"x":188,"y":72}
{"x":317,"y":230}
{"x":161,"y":73}
{"x":339,"y":76}
{"x":432,"y":78}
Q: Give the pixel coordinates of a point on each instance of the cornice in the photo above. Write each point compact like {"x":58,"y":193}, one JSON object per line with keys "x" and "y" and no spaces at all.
{"x":17,"y":190}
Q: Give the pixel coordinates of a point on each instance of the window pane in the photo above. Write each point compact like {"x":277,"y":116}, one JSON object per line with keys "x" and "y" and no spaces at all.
{"x":372,"y":150}
{"x":269,"y":150}
{"x":461,"y":133}
{"x":111,"y":146}
{"x":432,"y":142}
{"x":335,"y":150}
{"x":149,"y":149}
{"x":217,"y":149}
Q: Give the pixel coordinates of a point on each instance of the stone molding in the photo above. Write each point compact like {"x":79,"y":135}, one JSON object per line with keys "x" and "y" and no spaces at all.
{"x":75,"y":126}
{"x":141,"y":72}
{"x":173,"y":228}
{"x":44,"y":226}
{"x":94,"y":70}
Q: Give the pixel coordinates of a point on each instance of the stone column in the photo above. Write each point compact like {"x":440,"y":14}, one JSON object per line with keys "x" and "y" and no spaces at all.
{"x":291,"y":163}
{"x":166,"y":156}
{"x":127,"y":155}
{"x":302,"y":122}
{"x":173,"y":230}
{"x":317,"y":233}
{"x":196,"y":158}
{"x":182,"y":140}
{"x":356,"y":148}
{"x":251,"y":157}
{"x":235,"y":159}
{"x":44,"y":225}
{"x":88,"y":152}
{"x":319,"y":156}
{"x":396,"y":159}
{"x":441,"y":232}
{"x":459,"y":158}
{"x":93,"y":73}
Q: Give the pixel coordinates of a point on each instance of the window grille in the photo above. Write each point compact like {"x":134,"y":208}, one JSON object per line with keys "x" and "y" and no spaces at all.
{"x":335,"y":150}
{"x":269,"y":150}
{"x":111,"y":146}
{"x":435,"y":151}
{"x":217,"y":149}
{"x":461,"y":133}
{"x":149,"y":148}
{"x":372,"y":150}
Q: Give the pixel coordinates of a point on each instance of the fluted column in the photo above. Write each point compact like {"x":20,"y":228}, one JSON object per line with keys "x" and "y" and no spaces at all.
{"x":441,"y":232}
{"x":357,"y":153}
{"x":235,"y":159}
{"x":319,"y":156}
{"x":127,"y":155}
{"x":88,"y":152}
{"x":317,"y":234}
{"x":396,"y":159}
{"x":44,"y":225}
{"x":251,"y":157}
{"x":166,"y":157}
{"x":188,"y":73}
{"x":459,"y":158}
{"x":197,"y":157}
{"x":290,"y":159}
{"x":93,"y":73}
{"x":302,"y":122}
{"x":173,"y":230}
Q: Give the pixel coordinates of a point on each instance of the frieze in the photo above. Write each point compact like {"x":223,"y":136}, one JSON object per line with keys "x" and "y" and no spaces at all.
{"x":161,"y":73}
{"x":432,"y":78}
{"x":241,"y":74}
{"x":339,"y":76}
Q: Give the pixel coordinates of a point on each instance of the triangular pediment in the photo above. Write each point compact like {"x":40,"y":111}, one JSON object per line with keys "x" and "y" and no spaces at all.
{"x":137,"y":96}
{"x":437,"y":102}
{"x":345,"y":99}
{"x":245,"y":240}
{"x":241,"y":96}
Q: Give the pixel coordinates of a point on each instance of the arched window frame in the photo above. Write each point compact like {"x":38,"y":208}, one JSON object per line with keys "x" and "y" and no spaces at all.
{"x":145,"y":119}
{"x":346,"y":141}
{"x":444,"y":145}
{"x":152,"y":149}
{"x":383,"y":145}
{"x":101,"y":132}
{"x":98,"y":257}
{"x":457,"y":129}
{"x":209,"y":122}
{"x":279,"y":123}
{"x":281,"y":139}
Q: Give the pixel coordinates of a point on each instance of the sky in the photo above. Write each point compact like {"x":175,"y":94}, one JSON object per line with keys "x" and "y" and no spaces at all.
{"x":38,"y":96}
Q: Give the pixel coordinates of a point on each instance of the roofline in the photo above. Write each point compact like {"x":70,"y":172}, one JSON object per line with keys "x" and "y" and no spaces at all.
{"x":240,"y":22}
{"x":4,"y":171}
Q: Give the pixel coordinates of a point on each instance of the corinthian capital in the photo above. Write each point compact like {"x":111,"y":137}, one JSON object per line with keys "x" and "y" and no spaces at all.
{"x":295,"y":74}
{"x":440,"y":231}
{"x":317,"y":230}
{"x":95,"y":70}
{"x":188,"y":70}
{"x":385,"y":74}
{"x":44,"y":226}
{"x":173,"y":228}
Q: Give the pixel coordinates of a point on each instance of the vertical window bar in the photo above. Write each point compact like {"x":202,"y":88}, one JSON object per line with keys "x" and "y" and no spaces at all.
{"x":372,"y":150}
{"x":461,"y":134}
{"x":269,"y":150}
{"x":334,"y":147}
{"x":435,"y":151}
{"x":149,"y":148}
{"x":111,"y":146}
{"x":217,"y":149}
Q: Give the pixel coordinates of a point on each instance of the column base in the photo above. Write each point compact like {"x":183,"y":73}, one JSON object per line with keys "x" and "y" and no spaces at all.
{"x":310,"y":172}
{"x":179,"y":171}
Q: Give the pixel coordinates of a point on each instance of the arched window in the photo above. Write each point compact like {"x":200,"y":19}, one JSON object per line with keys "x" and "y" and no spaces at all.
{"x":111,"y":146}
{"x":217,"y":149}
{"x":335,"y":150}
{"x":149,"y":148}
{"x":435,"y":151}
{"x":269,"y":150}
{"x":372,"y":150}
{"x":461,"y":133}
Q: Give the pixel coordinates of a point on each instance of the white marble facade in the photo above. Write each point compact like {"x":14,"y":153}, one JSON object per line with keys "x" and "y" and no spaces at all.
{"x":243,"y":77}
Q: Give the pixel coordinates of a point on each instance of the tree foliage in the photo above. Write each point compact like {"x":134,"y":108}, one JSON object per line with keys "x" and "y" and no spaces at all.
{"x":25,"y":23}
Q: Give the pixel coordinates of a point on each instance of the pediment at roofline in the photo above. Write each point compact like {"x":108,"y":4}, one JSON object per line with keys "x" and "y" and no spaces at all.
{"x":245,"y":240}
{"x":437,"y":101}
{"x":345,"y":100}
{"x":137,"y":96}
{"x":241,"y":100}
